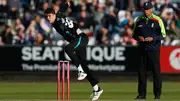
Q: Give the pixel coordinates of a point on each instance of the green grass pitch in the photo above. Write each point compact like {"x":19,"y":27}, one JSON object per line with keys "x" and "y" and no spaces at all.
{"x":113,"y":91}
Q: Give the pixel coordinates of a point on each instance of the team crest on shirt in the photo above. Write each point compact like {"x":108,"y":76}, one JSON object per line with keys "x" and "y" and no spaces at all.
{"x":152,"y":25}
{"x":140,"y":26}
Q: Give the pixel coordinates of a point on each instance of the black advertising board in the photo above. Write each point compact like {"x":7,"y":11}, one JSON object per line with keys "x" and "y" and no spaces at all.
{"x":106,"y":59}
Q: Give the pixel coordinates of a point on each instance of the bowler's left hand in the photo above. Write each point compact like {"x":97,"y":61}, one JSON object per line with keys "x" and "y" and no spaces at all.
{"x":148,"y":39}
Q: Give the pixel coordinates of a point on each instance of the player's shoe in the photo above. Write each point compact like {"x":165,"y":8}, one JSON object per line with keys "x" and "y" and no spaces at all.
{"x":157,"y":97}
{"x":96,"y":94}
{"x":140,"y":97}
{"x":81,"y":75}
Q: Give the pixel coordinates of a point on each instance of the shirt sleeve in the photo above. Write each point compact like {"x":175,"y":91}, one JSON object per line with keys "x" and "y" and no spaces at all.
{"x":162,"y":29}
{"x":161,"y":24}
{"x":135,"y":32}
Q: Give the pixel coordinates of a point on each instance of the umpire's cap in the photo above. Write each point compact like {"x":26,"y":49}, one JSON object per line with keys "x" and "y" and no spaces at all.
{"x":147,"y":5}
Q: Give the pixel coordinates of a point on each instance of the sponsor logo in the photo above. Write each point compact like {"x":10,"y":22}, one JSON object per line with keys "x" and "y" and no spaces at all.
{"x":43,"y":58}
{"x":174,"y":59}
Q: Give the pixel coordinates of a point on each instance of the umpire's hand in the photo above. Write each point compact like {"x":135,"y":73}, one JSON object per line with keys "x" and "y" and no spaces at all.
{"x":148,"y":39}
{"x":141,"y":39}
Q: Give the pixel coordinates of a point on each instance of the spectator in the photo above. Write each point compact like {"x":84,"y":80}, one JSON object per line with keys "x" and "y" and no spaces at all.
{"x":127,"y":38}
{"x":43,"y":8}
{"x":19,"y":27}
{"x":174,"y":34}
{"x":31,"y":33}
{"x":7,"y":35}
{"x":14,"y":7}
{"x":108,"y":28}
{"x":4,"y":14}
{"x":84,"y":20}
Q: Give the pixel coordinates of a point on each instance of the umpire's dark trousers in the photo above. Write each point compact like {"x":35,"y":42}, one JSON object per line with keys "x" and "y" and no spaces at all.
{"x":152,"y":60}
{"x":76,"y":50}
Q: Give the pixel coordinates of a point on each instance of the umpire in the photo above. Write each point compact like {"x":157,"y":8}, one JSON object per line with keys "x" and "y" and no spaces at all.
{"x":149,"y":31}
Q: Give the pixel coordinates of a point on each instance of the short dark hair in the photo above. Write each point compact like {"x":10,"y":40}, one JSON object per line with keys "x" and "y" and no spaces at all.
{"x":49,"y":10}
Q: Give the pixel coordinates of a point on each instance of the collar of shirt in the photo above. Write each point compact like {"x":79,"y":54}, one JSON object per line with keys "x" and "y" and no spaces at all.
{"x":147,"y":18}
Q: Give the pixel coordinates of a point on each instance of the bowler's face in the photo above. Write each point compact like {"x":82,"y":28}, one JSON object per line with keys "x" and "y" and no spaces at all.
{"x":50,"y":17}
{"x":148,"y":12}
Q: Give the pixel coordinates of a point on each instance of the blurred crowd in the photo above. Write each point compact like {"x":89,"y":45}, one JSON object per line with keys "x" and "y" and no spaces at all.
{"x":104,"y":21}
